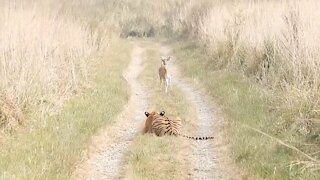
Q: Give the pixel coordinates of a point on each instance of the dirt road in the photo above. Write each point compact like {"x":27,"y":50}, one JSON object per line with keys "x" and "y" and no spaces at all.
{"x":105,"y":158}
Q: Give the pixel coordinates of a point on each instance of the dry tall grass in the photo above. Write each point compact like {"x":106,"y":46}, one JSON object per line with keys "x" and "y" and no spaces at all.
{"x":49,"y":51}
{"x":45,"y":54}
{"x":275,"y":42}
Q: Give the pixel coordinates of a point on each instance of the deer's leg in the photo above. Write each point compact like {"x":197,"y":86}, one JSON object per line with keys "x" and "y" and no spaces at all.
{"x":166,"y":84}
{"x":160,"y":83}
{"x":169,"y":82}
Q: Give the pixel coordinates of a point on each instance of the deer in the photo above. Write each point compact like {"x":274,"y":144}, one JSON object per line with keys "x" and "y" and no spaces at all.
{"x":163,"y":73}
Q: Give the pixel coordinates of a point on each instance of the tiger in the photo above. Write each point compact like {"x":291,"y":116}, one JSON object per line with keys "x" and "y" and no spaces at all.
{"x":160,"y":125}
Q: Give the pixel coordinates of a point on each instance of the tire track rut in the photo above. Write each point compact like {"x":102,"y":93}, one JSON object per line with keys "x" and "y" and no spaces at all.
{"x":105,"y":156}
{"x":203,"y":157}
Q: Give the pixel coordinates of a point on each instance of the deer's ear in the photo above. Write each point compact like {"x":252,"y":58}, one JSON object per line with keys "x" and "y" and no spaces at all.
{"x":168,"y":59}
{"x":162,"y":113}
{"x":146,"y":113}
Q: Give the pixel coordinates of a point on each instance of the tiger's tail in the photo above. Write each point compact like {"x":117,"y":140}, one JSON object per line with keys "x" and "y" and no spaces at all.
{"x":196,"y":138}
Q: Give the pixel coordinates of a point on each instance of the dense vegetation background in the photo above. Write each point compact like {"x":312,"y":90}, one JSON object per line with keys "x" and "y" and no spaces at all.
{"x":49,"y":52}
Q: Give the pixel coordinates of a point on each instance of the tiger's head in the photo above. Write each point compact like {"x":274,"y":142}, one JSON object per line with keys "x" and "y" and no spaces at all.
{"x":149,"y":121}
{"x":153,"y":113}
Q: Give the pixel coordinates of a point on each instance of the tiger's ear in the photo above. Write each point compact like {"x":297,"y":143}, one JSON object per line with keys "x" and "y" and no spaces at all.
{"x":162,"y":113}
{"x":146,"y":113}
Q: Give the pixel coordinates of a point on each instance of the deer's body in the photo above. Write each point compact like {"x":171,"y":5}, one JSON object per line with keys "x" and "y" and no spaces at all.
{"x":163,"y":74}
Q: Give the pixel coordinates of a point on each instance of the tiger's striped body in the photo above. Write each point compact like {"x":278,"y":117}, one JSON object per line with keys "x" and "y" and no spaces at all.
{"x":161,"y":125}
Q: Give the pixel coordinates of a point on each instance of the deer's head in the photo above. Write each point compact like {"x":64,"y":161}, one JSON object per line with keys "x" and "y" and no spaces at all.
{"x":165,"y":59}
